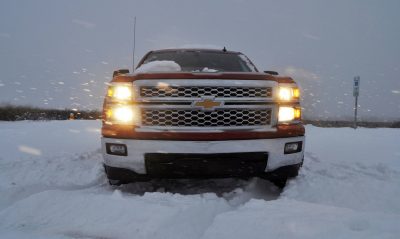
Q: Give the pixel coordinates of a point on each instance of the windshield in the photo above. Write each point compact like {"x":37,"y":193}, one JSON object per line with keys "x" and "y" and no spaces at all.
{"x":201,"y":61}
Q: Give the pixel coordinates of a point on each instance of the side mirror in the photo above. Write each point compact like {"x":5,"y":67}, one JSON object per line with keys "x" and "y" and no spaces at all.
{"x":120,"y":72}
{"x":274,"y":73}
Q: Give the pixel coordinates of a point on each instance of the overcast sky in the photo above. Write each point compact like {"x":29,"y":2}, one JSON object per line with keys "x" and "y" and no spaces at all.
{"x":60,"y":53}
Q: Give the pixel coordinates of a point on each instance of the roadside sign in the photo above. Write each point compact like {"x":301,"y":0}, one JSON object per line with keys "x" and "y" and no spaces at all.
{"x":356,"y":91}
{"x":356,"y":86}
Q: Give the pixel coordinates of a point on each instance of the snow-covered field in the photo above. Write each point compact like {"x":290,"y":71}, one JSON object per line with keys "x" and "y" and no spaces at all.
{"x":52,"y":186}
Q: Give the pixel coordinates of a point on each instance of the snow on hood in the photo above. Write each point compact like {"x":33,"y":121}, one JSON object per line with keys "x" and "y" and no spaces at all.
{"x":159,"y":66}
{"x":206,"y":69}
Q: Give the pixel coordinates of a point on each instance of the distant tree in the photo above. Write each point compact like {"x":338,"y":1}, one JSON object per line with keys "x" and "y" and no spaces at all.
{"x":15,"y":113}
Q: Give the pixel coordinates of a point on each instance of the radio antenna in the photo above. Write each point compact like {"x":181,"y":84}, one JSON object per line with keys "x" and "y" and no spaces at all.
{"x":134,"y":44}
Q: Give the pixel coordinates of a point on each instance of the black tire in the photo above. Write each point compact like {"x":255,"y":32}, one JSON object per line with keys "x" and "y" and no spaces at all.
{"x":118,"y":176}
{"x":280,"y":176}
{"x":113,"y":182}
{"x":279,"y":182}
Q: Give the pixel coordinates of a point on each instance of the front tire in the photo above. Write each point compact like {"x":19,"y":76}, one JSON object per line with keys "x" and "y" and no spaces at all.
{"x":118,"y":176}
{"x":279,"y":182}
{"x":280,"y":176}
{"x":113,"y":182}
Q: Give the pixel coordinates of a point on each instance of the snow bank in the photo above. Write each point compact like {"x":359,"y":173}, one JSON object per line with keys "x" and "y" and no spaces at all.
{"x":37,"y":156}
{"x":105,"y":214}
{"x":159,"y":66}
{"x":50,"y":138}
{"x":294,"y":219}
{"x":358,"y":169}
{"x":52,"y":186}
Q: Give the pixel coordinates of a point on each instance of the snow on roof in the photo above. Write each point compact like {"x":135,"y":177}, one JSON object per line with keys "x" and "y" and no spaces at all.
{"x":194,"y":48}
{"x":200,"y":46}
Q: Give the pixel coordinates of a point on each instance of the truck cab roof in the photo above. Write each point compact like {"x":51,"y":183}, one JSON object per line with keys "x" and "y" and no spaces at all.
{"x":199,"y":60}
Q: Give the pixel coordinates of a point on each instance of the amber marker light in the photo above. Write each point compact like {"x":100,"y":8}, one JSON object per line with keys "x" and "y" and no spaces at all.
{"x":110,"y":92}
{"x":108,"y":113}
{"x":297,"y":113}
{"x":296,"y":93}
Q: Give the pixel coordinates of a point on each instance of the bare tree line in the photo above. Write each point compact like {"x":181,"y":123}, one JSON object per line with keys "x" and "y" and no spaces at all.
{"x":16,"y":113}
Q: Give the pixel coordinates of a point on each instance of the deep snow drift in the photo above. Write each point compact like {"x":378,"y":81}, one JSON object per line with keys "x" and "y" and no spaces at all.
{"x":52,"y":186}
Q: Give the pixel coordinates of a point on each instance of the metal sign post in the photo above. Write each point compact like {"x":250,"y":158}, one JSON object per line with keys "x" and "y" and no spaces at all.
{"x":356,"y":91}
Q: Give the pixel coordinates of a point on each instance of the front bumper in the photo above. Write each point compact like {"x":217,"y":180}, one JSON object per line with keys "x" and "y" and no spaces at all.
{"x":138,"y":149}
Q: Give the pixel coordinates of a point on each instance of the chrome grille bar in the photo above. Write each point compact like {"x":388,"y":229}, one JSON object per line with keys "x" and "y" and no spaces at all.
{"x":179,"y":105}
{"x":198,"y":118}
{"x":198,"y":91}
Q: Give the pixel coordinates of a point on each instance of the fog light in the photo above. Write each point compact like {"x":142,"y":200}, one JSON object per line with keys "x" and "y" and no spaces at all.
{"x":116,"y":149}
{"x":293,"y":147}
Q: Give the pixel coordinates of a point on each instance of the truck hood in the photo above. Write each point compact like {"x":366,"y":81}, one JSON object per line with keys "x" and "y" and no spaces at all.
{"x":195,"y":75}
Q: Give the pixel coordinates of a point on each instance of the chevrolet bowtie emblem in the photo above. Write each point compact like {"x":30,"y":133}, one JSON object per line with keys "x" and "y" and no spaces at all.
{"x":207,"y":104}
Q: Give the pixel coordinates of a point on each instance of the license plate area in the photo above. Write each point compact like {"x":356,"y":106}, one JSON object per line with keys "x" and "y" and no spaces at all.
{"x":188,"y":165}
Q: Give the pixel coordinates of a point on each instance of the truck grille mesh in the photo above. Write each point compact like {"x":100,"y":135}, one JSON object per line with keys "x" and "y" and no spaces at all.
{"x":198,"y":91}
{"x":197,"y":118}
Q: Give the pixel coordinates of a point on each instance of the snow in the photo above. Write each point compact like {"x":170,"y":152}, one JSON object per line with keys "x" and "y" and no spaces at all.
{"x":158,"y":66}
{"x":199,"y":46}
{"x":248,"y":62}
{"x":206,"y":69}
{"x":52,"y":186}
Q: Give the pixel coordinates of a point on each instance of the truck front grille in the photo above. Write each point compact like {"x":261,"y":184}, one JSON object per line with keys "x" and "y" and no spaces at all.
{"x":198,"y":118}
{"x":198,"y":91}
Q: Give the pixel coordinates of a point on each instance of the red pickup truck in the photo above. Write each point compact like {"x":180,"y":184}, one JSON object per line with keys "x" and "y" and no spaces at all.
{"x":201,"y":113}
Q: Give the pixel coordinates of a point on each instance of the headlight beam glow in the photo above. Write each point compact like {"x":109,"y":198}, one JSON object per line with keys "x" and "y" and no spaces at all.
{"x":120,"y":92}
{"x":286,"y":114}
{"x":122,"y":114}
{"x":288,"y":93}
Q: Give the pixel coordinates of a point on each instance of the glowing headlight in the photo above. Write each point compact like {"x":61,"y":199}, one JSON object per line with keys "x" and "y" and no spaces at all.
{"x":288,"y":114}
{"x":120,"y":92}
{"x":122,"y":114}
{"x":288,"y":93}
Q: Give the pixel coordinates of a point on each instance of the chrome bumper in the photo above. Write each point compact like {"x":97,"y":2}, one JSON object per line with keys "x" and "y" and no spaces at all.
{"x":135,"y":159}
